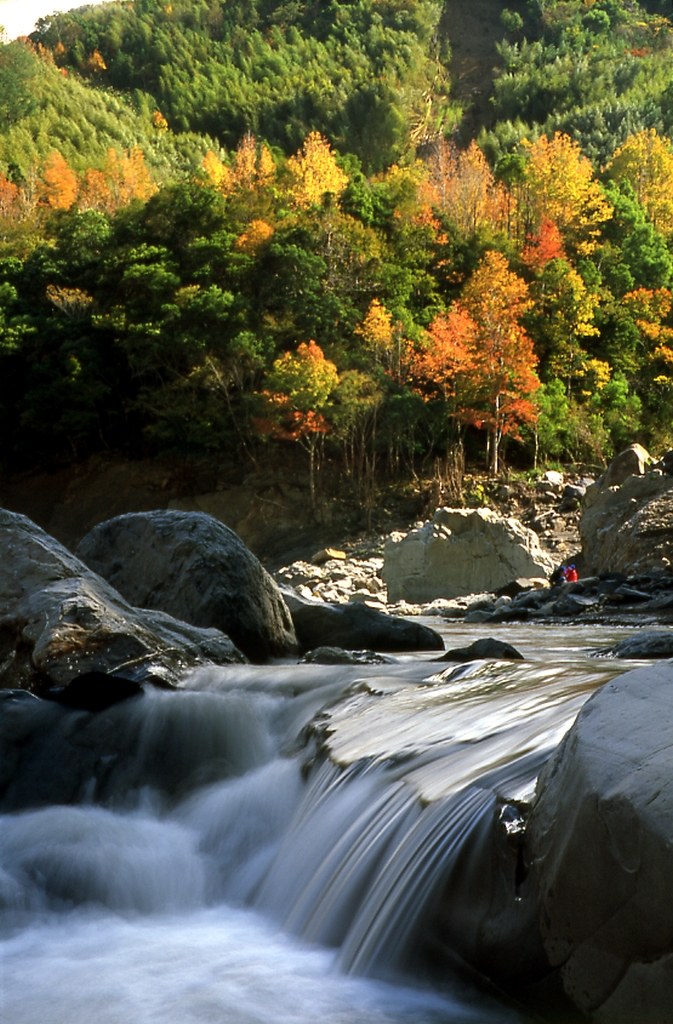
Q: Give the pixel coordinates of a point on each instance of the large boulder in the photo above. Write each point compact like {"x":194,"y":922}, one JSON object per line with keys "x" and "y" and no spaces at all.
{"x":600,"y":840}
{"x":197,"y":569}
{"x":627,"y":520}
{"x":633,"y":461}
{"x":461,"y":551}
{"x":59,"y":620}
{"x":356,"y":626}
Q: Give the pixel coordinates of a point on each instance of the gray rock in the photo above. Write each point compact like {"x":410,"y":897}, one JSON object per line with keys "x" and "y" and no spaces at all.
{"x":58,"y":620}
{"x":599,"y":842}
{"x":628,"y":529}
{"x":633,"y":461}
{"x":356,"y":626}
{"x":95,"y":691}
{"x":553,"y":480}
{"x":572,"y":605}
{"x":196,"y":569}
{"x":338,"y":656}
{"x":644,"y":644}
{"x":487,"y":649}
{"x":458,"y":552}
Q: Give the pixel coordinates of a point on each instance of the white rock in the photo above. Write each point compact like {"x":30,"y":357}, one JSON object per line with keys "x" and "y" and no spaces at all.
{"x":461,"y":551}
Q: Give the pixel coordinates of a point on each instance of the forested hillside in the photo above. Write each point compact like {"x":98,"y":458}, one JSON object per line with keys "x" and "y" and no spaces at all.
{"x":367,"y":74}
{"x":233,"y":227}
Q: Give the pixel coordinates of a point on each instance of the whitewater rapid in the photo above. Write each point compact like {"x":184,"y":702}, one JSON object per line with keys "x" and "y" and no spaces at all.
{"x":267,"y":846}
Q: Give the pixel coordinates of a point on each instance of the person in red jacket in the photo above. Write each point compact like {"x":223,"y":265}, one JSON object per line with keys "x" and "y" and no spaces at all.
{"x":571,"y":574}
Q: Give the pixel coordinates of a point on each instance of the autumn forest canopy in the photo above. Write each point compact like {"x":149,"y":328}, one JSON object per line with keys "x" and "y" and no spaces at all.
{"x":230,"y":226}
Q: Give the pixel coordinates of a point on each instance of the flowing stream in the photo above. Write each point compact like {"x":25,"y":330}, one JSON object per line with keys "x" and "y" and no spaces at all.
{"x":268,"y":845}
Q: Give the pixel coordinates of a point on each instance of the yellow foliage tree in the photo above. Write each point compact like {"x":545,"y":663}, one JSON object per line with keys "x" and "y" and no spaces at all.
{"x":253,"y":240}
{"x":646,"y":161}
{"x":128,"y":176}
{"x":218,"y":174}
{"x":561,"y":187}
{"x":314,"y":172}
{"x":159,"y":121}
{"x":377,"y":331}
{"x":253,"y":164}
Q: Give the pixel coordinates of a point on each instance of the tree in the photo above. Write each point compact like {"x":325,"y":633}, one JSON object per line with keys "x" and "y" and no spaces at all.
{"x":95,"y":193}
{"x":255,"y":238}
{"x":128,"y":176}
{"x":542,"y":246}
{"x":314,"y":172}
{"x":562,"y":317}
{"x":298,"y":389}
{"x":377,"y":332}
{"x":58,"y":185}
{"x":446,"y":358}
{"x":503,"y":377}
{"x":253,"y":166}
{"x":646,"y":162}
{"x":218,"y":173}
{"x":562,"y":188}
{"x":9,"y":198}
{"x":462,"y":185}
{"x":18,"y":69}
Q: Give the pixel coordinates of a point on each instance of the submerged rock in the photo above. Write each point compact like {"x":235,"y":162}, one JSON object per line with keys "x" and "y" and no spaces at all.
{"x":354,"y":626}
{"x":196,"y":569}
{"x":599,"y":839}
{"x":58,"y":620}
{"x":461,"y":551}
{"x":338,"y":656}
{"x":486,"y":648}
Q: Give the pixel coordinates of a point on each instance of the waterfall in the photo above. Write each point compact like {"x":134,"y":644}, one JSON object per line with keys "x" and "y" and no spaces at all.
{"x":275,"y":844}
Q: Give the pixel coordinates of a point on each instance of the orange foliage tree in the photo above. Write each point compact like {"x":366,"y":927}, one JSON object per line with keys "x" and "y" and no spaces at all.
{"x":503,"y":375}
{"x":9,"y":198}
{"x":58,"y":185}
{"x":95,"y":193}
{"x":128,"y":176}
{"x":543,"y":246}
{"x":298,"y":389}
{"x":446,"y":359}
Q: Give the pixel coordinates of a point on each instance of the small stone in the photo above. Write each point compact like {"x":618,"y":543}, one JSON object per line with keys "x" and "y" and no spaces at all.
{"x":327,"y":555}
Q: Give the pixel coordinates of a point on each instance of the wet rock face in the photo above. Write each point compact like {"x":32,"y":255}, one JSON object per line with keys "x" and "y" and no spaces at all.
{"x":599,"y":837}
{"x":194,"y":568}
{"x":461,"y":551}
{"x":58,"y":620}
{"x":627,"y":517}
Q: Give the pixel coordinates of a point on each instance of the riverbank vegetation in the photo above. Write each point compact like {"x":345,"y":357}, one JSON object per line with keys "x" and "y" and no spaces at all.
{"x":208,"y":247}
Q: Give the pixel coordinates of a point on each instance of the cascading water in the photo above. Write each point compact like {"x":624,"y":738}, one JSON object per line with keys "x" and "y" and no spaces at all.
{"x":269,"y":845}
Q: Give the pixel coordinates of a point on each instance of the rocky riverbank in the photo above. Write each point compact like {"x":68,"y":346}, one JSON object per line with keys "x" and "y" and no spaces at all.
{"x":458,"y":550}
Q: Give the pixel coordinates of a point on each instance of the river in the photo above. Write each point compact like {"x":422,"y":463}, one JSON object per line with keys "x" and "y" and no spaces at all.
{"x":267,"y":845}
